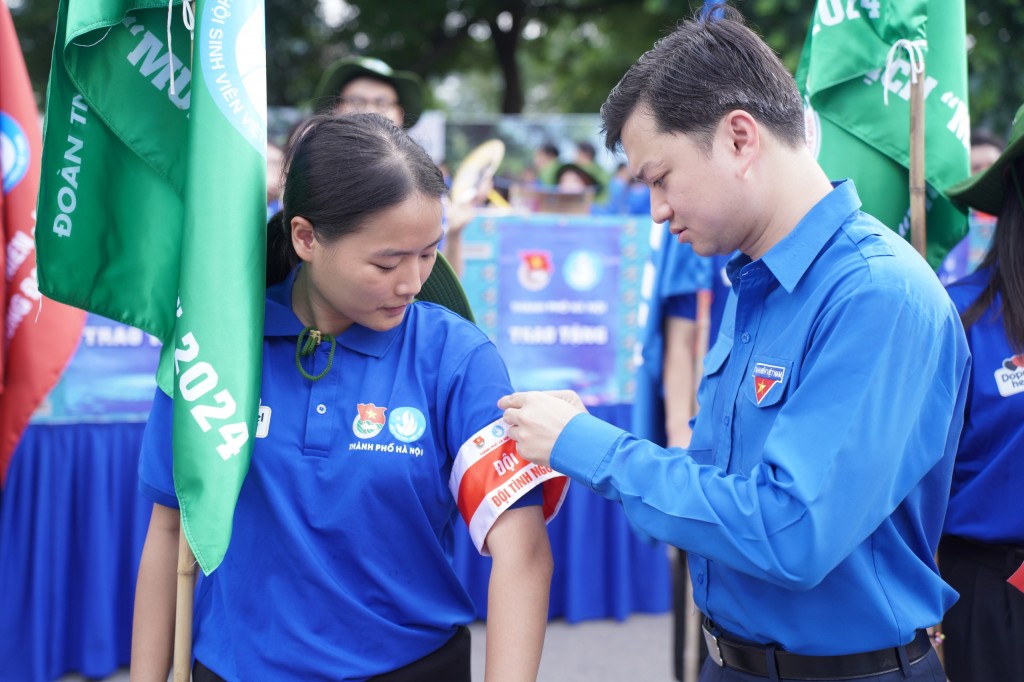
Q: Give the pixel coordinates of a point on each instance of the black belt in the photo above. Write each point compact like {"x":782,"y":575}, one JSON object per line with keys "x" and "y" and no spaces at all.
{"x":753,"y":659}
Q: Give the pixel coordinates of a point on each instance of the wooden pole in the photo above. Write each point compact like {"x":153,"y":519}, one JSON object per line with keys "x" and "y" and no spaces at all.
{"x":182,"y":662}
{"x":918,"y":214}
{"x":183,"y":610}
{"x":692,"y":618}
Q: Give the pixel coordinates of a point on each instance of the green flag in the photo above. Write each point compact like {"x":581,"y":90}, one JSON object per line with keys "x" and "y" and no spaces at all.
{"x":152,"y":211}
{"x":844,"y":72}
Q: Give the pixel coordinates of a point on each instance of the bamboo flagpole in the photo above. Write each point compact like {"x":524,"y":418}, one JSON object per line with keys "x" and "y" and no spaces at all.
{"x":183,"y":610}
{"x":186,"y":583}
{"x":916,"y":166}
{"x":918,"y":206}
{"x":691,"y":641}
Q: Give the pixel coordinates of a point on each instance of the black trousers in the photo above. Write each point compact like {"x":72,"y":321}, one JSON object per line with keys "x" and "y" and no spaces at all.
{"x":449,"y":663}
{"x":985,"y":628}
{"x":680,"y":612}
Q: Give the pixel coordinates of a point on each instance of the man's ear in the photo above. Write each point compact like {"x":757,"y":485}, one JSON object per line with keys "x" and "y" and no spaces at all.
{"x":303,"y":237}
{"x":743,"y":137}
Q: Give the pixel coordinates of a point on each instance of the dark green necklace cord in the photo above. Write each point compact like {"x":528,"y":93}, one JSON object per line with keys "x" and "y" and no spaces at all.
{"x":306,"y":344}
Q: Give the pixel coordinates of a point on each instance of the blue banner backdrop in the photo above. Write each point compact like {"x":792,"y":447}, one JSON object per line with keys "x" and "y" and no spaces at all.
{"x":558,"y":295}
{"x":110,"y":378}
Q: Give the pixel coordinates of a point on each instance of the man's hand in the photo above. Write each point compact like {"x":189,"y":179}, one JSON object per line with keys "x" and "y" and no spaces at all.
{"x":536,"y":419}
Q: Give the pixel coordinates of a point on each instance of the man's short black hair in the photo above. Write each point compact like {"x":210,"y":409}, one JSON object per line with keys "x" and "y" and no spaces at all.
{"x":691,"y":78}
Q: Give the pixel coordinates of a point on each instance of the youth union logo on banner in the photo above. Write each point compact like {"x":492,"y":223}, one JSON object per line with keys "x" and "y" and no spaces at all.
{"x":535,"y":269}
{"x":13,"y":151}
{"x":583,"y":270}
{"x":233,"y":53}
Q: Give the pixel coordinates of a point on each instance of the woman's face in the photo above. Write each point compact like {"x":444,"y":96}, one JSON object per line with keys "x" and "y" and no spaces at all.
{"x":371,"y":277}
{"x":572,"y":182}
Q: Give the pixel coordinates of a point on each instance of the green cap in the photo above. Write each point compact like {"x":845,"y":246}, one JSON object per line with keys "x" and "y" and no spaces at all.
{"x":443,"y":287}
{"x":588,"y":174}
{"x":407,"y":84}
{"x":984,"y":191}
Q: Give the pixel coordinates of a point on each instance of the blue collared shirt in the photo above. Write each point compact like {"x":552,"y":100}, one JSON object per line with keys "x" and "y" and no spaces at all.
{"x":984,"y":502}
{"x":813,"y":493}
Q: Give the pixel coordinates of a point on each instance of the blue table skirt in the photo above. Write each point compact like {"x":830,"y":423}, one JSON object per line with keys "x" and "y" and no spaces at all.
{"x":72,"y":526}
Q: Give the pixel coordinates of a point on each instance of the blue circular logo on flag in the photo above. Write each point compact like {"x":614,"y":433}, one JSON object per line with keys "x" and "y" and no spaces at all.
{"x":583,"y":270}
{"x":14,"y":152}
{"x":234,"y":65}
{"x":407,"y":424}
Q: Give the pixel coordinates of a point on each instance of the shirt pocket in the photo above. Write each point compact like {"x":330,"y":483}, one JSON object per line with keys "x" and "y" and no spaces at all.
{"x":767,"y":380}
{"x":716,"y":356}
{"x":714,"y":364}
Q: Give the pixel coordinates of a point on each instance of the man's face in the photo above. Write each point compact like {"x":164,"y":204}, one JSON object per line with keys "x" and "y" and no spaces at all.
{"x":694,"y":191}
{"x":368,"y":95}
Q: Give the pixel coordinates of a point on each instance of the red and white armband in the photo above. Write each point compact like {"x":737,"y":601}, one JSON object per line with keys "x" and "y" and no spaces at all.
{"x":489,"y":476}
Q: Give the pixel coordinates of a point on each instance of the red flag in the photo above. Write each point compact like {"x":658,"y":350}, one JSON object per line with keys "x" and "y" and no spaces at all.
{"x":35,"y":348}
{"x":1017,"y":579}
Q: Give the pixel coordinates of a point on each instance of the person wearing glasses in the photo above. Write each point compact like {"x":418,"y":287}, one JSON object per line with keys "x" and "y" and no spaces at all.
{"x":359,"y":85}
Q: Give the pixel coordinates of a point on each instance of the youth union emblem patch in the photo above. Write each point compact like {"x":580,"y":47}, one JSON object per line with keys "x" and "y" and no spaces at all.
{"x":766,"y":377}
{"x":370,"y":420}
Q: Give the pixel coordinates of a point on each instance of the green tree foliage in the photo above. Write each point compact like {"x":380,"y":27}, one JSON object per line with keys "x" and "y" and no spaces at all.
{"x":538,"y":55}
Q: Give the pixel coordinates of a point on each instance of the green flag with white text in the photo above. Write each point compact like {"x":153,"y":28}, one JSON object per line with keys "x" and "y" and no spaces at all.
{"x":847,"y":65}
{"x":152,"y":211}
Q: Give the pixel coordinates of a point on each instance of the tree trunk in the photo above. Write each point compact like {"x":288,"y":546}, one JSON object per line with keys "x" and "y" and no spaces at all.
{"x":506,"y":44}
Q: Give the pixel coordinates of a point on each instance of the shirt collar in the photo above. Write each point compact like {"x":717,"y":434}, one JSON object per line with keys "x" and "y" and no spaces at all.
{"x":280,"y":320}
{"x":792,"y":256}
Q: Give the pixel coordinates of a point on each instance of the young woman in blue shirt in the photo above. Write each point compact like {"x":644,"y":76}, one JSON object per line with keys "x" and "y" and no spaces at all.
{"x":983,"y":537}
{"x":374,"y":410}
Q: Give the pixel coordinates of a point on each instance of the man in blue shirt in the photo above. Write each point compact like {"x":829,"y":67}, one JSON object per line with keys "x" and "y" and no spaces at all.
{"x":813,"y":492}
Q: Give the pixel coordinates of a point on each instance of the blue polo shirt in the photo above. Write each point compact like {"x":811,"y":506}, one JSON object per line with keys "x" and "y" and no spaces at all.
{"x":988,"y":478}
{"x":813,"y":493}
{"x":339,"y":566}
{"x":677,"y":273}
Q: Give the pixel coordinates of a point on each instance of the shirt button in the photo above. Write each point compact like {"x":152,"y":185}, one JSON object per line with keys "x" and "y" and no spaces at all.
{"x":700,"y":578}
{"x":726,"y":421}
{"x":321,"y":409}
{"x":745,"y":337}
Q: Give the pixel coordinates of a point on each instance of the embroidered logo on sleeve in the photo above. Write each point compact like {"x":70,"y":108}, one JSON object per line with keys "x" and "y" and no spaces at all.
{"x":766,"y":377}
{"x":1010,"y":377}
{"x":488,"y":476}
{"x":370,"y":420}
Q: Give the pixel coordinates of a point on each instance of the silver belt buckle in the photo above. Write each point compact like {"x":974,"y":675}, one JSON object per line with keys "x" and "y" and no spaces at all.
{"x":712,"y":641}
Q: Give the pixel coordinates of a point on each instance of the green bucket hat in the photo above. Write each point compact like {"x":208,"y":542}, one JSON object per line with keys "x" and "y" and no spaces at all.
{"x":587,"y":173}
{"x":443,"y":287}
{"x":407,"y":84}
{"x":984,"y":191}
